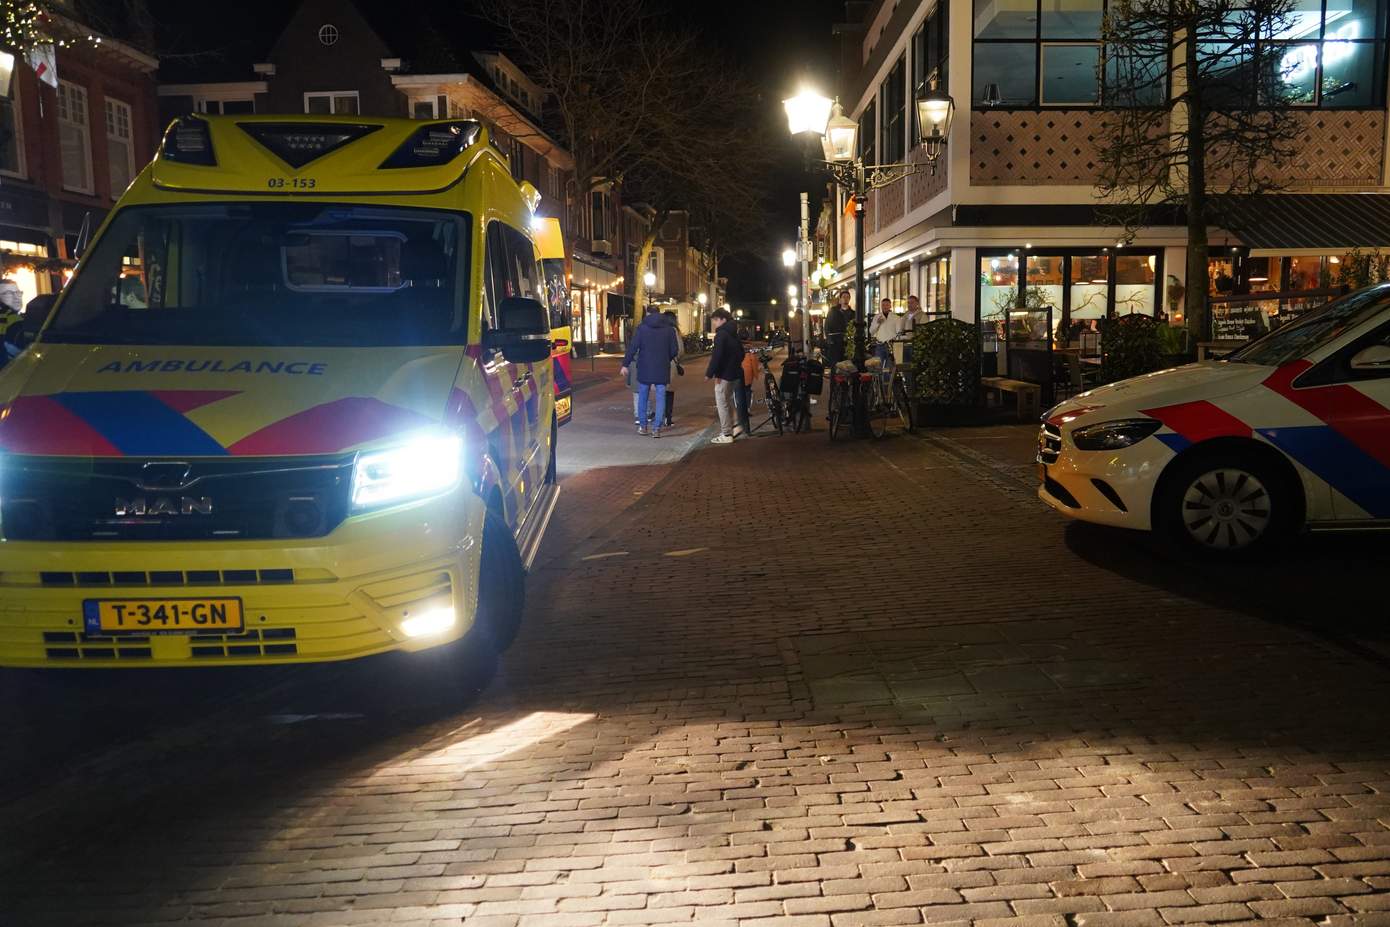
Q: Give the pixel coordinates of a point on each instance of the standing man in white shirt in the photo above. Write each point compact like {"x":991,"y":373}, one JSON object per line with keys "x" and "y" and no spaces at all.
{"x":882,"y":328}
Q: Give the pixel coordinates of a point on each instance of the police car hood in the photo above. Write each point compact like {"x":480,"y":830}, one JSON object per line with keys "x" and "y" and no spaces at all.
{"x":114,"y":401}
{"x":1206,"y":380}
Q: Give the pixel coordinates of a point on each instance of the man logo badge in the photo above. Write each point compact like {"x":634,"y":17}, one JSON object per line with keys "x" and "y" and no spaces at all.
{"x":164,"y":505}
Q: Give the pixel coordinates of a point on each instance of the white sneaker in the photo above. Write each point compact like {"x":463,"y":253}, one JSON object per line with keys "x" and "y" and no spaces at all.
{"x":722,"y":439}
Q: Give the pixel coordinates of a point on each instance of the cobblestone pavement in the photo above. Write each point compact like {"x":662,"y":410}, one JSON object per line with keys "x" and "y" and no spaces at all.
{"x":792,"y":683}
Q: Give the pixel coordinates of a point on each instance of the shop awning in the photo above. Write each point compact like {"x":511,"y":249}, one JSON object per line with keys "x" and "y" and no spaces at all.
{"x":1315,"y":221}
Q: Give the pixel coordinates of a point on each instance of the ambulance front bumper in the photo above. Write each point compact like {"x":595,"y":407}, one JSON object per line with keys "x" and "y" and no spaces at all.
{"x":338,"y":597}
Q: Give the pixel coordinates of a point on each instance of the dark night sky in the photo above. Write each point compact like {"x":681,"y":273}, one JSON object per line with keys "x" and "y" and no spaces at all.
{"x":779,"y":43}
{"x":782,"y":43}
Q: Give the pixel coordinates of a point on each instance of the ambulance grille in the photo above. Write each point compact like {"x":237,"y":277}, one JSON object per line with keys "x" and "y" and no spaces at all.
{"x":79,"y":645}
{"x":168,"y":578}
{"x":205,"y":499}
{"x":255,"y":642}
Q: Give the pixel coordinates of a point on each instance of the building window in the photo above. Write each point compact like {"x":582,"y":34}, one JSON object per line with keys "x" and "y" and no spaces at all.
{"x":11,"y":137}
{"x":430,"y":107}
{"x":517,"y":156}
{"x":1038,"y":53}
{"x":937,"y":298}
{"x":894,"y":109}
{"x":930,"y":51}
{"x":328,"y":35}
{"x":867,"y":134}
{"x":333,"y":103}
{"x":1328,"y":57}
{"x":226,"y":107}
{"x":599,"y":215}
{"x":120,"y":149}
{"x":75,"y":137}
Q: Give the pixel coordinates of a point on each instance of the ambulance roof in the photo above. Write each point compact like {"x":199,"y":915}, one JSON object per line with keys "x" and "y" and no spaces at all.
{"x":296,"y":155}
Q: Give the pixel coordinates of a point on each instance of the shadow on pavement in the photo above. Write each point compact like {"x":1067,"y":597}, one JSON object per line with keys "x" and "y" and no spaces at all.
{"x":1325,"y":583}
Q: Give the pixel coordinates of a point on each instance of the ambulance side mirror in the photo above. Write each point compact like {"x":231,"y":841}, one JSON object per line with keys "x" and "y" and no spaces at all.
{"x":36,"y":313}
{"x":523,"y":332}
{"x":1373,"y":359}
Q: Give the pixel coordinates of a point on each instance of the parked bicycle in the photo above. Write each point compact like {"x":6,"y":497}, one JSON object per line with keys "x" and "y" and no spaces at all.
{"x":842,"y":397}
{"x":802,"y":378}
{"x":772,"y":394}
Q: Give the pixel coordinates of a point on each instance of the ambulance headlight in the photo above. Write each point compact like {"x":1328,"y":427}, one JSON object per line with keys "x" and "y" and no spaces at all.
{"x":1112,"y":436}
{"x":424,"y":466}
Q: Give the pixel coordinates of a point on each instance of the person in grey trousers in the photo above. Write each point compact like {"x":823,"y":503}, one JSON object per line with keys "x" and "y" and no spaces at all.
{"x":726,"y":370}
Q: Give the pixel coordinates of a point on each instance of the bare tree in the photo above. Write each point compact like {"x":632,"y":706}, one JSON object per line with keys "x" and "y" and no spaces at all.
{"x":609,"y":68}
{"x":1218,"y":132}
{"x":644,"y":106}
{"x":709,"y":157}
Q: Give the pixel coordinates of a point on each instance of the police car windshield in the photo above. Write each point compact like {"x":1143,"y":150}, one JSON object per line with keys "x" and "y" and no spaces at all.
{"x":1315,"y":329}
{"x":273,"y":274}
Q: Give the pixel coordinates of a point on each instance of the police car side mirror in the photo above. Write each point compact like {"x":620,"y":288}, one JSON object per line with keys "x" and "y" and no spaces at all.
{"x":1373,"y":359}
{"x":523,"y":332}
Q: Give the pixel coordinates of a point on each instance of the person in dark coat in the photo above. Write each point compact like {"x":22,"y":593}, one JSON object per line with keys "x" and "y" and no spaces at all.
{"x":653,"y":346}
{"x":676,"y":369}
{"x":726,"y":370}
{"x":837,"y":322}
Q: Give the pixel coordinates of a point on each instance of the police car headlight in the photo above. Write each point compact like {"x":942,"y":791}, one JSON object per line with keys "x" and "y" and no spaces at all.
{"x":423,"y":466}
{"x":1111,"y":436}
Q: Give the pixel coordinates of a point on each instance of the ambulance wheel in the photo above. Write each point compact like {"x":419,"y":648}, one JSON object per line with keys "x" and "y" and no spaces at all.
{"x":501,"y":588}
{"x":1228,"y":504}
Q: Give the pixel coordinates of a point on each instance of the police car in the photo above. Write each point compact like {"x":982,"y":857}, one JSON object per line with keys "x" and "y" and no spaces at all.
{"x":1291,"y":432}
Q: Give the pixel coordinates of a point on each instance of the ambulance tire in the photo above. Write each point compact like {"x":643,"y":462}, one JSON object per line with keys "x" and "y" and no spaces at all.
{"x":501,"y":588}
{"x":1227,"y":504}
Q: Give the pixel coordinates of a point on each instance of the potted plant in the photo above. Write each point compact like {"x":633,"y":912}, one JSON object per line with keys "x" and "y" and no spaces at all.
{"x":1131,"y":345}
{"x":945,"y":371}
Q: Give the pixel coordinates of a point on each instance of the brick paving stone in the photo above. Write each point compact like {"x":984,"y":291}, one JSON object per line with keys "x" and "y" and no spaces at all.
{"x":762,"y":731}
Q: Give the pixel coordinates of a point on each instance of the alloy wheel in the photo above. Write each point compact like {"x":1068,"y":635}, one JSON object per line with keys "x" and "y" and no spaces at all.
{"x":1226,"y":509}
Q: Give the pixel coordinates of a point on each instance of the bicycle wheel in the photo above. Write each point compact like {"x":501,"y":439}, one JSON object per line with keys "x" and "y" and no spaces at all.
{"x":901,"y":400}
{"x":833,"y":412}
{"x":877,"y":408}
{"x":774,"y":402}
{"x":801,"y":413}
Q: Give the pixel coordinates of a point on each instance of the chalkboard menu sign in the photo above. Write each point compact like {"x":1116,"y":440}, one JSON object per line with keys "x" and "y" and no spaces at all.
{"x":1237,"y":323}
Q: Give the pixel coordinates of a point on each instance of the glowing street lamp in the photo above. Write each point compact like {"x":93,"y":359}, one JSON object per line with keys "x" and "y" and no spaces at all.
{"x":703,"y":299}
{"x":807,"y":112}
{"x":789,"y":258}
{"x":839,"y":136}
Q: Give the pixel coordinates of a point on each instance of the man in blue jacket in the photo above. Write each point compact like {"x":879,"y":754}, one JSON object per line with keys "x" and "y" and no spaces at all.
{"x":726,"y":370}
{"x":653,"y":346}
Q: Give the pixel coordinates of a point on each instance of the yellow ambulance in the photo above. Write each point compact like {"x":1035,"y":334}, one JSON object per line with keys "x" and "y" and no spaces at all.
{"x":295,"y":405}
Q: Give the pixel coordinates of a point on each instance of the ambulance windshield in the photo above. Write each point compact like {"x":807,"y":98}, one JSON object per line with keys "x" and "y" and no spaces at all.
{"x":274,"y":274}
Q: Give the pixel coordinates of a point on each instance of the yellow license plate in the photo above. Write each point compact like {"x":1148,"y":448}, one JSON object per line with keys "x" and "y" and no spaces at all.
{"x":562,"y":407}
{"x":162,"y":616}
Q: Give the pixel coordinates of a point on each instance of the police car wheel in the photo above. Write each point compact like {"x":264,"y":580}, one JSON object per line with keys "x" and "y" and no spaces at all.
{"x":501,"y":588}
{"x":1226,"y":506}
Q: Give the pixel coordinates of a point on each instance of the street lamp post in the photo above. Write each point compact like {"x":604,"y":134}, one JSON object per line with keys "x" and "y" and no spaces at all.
{"x":810,"y":113}
{"x":649,"y":281}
